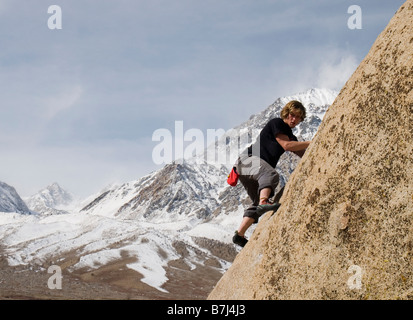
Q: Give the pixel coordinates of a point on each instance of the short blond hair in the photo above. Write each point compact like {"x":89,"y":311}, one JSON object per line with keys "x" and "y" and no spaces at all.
{"x":294,"y":107}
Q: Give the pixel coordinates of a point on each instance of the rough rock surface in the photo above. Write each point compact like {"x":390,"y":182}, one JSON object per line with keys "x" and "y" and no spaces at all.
{"x":345,"y":227}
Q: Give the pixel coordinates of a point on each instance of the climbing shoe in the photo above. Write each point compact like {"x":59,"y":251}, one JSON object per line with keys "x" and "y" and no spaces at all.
{"x":237,"y":239}
{"x":263,"y":208}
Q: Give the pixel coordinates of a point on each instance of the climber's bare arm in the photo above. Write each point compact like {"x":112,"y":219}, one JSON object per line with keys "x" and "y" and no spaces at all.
{"x":298,"y":147}
{"x":293,"y":146}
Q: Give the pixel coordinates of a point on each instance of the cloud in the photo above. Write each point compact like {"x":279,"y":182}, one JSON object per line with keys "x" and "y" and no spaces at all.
{"x":335,"y":72}
{"x":323,"y":66}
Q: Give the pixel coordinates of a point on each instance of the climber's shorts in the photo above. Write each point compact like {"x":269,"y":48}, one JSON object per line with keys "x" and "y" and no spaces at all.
{"x":255,"y":174}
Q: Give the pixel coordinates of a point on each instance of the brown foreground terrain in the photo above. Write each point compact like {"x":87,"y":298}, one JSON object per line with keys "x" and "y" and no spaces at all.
{"x":114,"y":281}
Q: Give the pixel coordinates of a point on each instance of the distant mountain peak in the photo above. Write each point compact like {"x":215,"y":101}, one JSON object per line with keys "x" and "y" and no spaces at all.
{"x":50,"y":200}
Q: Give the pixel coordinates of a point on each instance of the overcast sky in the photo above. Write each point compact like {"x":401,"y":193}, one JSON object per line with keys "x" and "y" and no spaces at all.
{"x":79,"y":104}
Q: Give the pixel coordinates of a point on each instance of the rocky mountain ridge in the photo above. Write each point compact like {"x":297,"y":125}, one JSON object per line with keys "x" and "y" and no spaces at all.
{"x":10,"y":201}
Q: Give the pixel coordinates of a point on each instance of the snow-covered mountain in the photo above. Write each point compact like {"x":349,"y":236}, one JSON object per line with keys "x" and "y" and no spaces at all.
{"x":183,"y":205}
{"x":10,"y":201}
{"x":175,"y":192}
{"x":51,"y":200}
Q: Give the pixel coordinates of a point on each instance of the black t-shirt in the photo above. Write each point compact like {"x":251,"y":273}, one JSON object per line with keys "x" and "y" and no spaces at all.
{"x":266,"y":147}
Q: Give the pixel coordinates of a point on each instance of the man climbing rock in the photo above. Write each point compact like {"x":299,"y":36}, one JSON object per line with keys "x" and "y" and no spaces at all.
{"x":256,"y":165}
